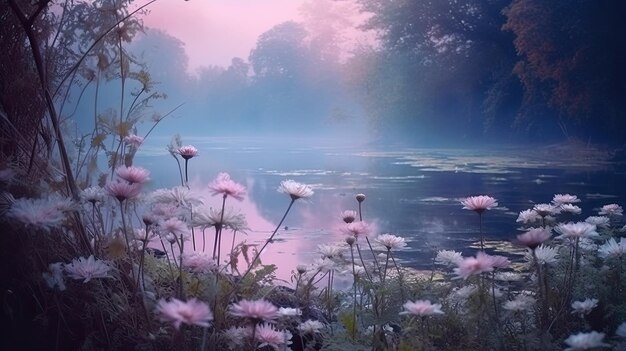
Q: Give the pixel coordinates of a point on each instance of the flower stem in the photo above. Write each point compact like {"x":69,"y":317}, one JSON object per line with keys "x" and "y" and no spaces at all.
{"x":256,"y":257}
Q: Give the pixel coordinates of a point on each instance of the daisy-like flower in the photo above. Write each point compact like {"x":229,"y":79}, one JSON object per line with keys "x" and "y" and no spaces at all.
{"x":178,"y":196}
{"x":187,"y":151}
{"x":225,"y":186}
{"x":208,"y":217}
{"x":87,"y":268}
{"x":123,"y":190}
{"x":508,"y":276}
{"x":479,"y":203}
{"x":569,"y":208}
{"x":544,"y":254}
{"x":391,"y":241}
{"x":421,"y":308}
{"x":174,"y":226}
{"x":310,"y":327}
{"x":133,"y":140}
{"x":528,"y":216}
{"x":465,"y":292}
{"x":576,"y":230}
{"x":54,"y":276}
{"x":545,"y":210}
{"x":42,"y":213}
{"x":329,"y":251}
{"x":268,"y":335}
{"x":295,"y":190}
{"x":255,"y":309}
{"x":348,"y":216}
{"x":177,"y":312}
{"x":448,"y":257}
{"x":93,"y":194}
{"x":133,"y":174}
{"x":237,"y":336}
{"x":356,"y":229}
{"x":474,"y":265}
{"x":534,"y":237}
{"x":611,"y":210}
{"x":585,"y":341}
{"x":584,"y":307}
{"x":198,"y":262}
{"x":498,"y":261}
{"x":520,"y":303}
{"x":612,"y":248}
{"x":598,"y":221}
{"x":560,"y":199}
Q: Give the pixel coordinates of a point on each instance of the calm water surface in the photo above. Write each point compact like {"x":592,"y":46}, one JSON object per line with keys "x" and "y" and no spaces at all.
{"x":410,"y":192}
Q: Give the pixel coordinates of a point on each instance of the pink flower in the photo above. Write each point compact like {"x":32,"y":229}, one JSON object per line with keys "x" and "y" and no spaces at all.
{"x":546,"y":209}
{"x":198,"y":262}
{"x":174,"y":226}
{"x":133,"y":140}
{"x":87,"y":269}
{"x":498,"y":261}
{"x":479,"y":203}
{"x":257,"y":309}
{"x":187,"y":151}
{"x":421,"y":308}
{"x":192,"y":312}
{"x":534,"y":237}
{"x":123,"y":190}
{"x":133,"y":174}
{"x":356,"y":229}
{"x":267,"y":335}
{"x":224,"y":185}
{"x":474,"y":265}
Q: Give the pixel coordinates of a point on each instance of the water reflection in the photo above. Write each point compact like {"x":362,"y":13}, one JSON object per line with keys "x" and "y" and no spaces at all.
{"x":413,"y":193}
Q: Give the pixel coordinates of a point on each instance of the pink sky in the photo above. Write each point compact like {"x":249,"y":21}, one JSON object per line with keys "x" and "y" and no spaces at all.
{"x":215,"y":31}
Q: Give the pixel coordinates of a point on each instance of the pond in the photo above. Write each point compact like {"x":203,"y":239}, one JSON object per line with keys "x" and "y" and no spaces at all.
{"x":411,"y":192}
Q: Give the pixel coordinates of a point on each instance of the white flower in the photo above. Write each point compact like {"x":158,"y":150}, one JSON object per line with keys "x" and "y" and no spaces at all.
{"x":237,"y":337}
{"x":585,"y":341}
{"x":508,"y":276}
{"x":310,"y":327}
{"x":520,"y":303}
{"x":598,"y":221}
{"x":465,"y":292}
{"x":208,"y":217}
{"x":573,"y":209}
{"x":179,"y":196}
{"x":584,"y":307}
{"x":575,"y":230}
{"x":93,"y":194}
{"x":329,"y":251}
{"x":611,"y":210}
{"x":528,"y":216}
{"x":87,"y":269}
{"x":448,"y":257}
{"x":544,"y":210}
{"x":295,"y":190}
{"x":612,"y":248}
{"x":564,"y":199}
{"x":391,"y":241}
{"x":544,"y":254}
{"x":421,"y":308}
{"x":174,"y":226}
{"x":42,"y":213}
